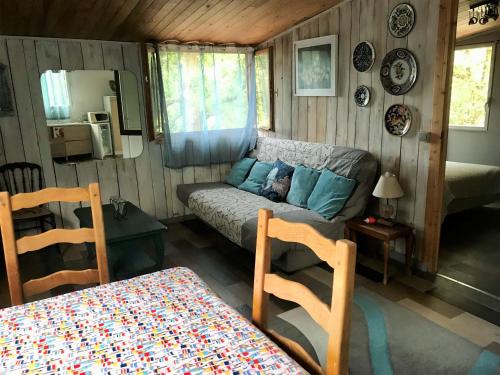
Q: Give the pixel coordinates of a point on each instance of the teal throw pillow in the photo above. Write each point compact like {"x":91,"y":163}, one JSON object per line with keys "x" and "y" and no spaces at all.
{"x":257,"y":177}
{"x":239,"y":171}
{"x":303,"y":181}
{"x":330,"y":194}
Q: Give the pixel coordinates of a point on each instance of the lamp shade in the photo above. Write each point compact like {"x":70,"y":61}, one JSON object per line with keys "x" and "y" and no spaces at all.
{"x":388,"y":187}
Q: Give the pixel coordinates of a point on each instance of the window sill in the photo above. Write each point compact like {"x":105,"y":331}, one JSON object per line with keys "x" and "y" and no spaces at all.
{"x":469,"y":128}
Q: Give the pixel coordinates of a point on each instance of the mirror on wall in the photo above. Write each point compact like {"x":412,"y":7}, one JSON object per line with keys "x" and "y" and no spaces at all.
{"x":92,"y":114}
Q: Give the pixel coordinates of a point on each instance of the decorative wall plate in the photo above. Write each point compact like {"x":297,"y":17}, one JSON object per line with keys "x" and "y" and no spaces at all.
{"x":397,"y":119}
{"x":362,"y":96}
{"x":363,"y":56}
{"x":401,"y":20}
{"x":399,"y":71}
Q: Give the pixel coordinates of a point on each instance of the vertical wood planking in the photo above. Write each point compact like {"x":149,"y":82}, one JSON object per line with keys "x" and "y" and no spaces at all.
{"x":9,"y":125}
{"x":40,"y":57}
{"x":145,"y":180}
{"x":294,"y":99}
{"x":353,"y":75}
{"x":332,"y":101}
{"x":278,"y":87}
{"x":70,"y":57}
{"x":312,"y":101}
{"x":366,"y":32}
{"x":379,"y":41}
{"x":322,"y":101}
{"x":304,"y":33}
{"x":343,"y":74}
{"x":92,"y":55}
{"x":287,"y":94}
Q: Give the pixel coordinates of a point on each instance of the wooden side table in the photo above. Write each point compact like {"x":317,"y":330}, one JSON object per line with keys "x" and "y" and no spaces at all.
{"x":385,"y":234}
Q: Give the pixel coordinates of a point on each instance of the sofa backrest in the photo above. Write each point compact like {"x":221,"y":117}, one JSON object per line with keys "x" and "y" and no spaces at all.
{"x":348,"y":162}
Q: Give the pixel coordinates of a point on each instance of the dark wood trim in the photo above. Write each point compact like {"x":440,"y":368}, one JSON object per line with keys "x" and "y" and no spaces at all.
{"x":269,"y":51}
{"x":147,"y":92}
{"x":443,"y":70}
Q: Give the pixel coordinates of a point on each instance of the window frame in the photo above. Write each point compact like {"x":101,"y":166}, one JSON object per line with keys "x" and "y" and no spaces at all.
{"x":487,"y":105}
{"x":269,"y":51}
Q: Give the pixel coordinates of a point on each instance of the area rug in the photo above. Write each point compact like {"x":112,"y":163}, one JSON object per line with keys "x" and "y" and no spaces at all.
{"x":387,"y":338}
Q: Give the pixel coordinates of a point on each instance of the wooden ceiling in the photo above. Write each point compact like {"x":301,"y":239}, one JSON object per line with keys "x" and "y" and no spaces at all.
{"x":465,"y":30}
{"x":220,"y":21}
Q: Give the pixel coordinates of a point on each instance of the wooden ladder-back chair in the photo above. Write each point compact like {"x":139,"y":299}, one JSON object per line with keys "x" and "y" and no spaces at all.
{"x":13,"y":247}
{"x":335,"y":320}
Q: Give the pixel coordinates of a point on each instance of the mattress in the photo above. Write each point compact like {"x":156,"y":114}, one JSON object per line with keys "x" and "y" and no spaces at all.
{"x":470,"y":185}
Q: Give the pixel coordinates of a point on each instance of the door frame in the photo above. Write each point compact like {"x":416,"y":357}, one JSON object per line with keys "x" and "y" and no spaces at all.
{"x":445,"y":47}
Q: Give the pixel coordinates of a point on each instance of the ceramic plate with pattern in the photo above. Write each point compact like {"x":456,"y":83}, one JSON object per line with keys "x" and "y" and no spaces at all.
{"x":363,"y":56}
{"x":399,"y":71}
{"x":362,"y":96}
{"x":397,"y":119}
{"x":401,"y":20}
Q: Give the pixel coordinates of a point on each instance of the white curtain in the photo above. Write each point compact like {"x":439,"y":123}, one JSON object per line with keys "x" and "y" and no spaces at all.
{"x":206,"y":103}
{"x":55,"y":93}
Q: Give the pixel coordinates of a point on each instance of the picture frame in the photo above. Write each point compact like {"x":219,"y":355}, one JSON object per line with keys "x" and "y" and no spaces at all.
{"x":316,"y":63}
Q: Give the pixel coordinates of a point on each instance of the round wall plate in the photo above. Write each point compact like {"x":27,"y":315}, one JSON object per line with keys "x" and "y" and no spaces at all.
{"x":401,"y":20}
{"x":399,"y":71}
{"x":362,"y":96}
{"x":363,"y":56}
{"x":397,"y":119}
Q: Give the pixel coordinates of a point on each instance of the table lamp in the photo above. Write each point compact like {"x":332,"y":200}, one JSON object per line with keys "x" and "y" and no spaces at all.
{"x":387,"y":187}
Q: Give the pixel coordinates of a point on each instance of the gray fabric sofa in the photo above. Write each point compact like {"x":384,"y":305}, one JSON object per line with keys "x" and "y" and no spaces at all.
{"x":233,"y":212}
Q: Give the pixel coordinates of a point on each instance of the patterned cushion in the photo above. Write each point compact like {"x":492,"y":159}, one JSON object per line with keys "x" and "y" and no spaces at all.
{"x":277,"y":182}
{"x":227,"y":209}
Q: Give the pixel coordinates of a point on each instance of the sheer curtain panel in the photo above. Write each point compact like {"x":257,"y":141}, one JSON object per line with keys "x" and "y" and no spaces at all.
{"x":206,"y":103}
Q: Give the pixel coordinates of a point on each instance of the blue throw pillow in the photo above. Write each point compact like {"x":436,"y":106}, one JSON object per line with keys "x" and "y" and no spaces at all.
{"x":239,"y":171}
{"x":257,"y":177}
{"x":303,"y":181}
{"x":330,"y":194}
{"x":277,"y":182}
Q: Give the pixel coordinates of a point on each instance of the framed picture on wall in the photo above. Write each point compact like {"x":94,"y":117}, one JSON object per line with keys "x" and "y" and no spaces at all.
{"x":316,"y":66}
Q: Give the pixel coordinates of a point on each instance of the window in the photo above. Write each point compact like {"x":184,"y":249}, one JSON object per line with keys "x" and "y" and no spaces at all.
{"x":264,"y":88}
{"x":55,"y":94}
{"x":470,"y":90}
{"x":204,"y":99}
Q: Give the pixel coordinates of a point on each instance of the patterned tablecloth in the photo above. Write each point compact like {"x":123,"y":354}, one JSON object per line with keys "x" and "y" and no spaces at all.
{"x":168,"y":321}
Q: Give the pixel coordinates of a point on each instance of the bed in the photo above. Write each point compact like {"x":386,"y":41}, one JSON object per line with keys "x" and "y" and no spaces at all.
{"x":168,"y":321}
{"x":470,"y":185}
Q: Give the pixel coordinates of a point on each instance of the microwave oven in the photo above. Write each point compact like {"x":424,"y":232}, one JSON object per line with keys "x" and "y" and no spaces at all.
{"x":96,"y":117}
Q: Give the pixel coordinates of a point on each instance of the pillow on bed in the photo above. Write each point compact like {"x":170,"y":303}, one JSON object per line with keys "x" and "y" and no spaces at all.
{"x":277,"y":182}
{"x":239,"y":171}
{"x":257,"y":177}
{"x":330,"y":194}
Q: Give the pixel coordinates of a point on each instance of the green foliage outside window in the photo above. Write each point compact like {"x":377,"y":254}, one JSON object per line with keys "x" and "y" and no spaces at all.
{"x":204,"y":91}
{"x":470,"y":86}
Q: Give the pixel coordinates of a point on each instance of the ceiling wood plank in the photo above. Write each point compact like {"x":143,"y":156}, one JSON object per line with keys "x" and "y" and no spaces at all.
{"x":220,"y":21}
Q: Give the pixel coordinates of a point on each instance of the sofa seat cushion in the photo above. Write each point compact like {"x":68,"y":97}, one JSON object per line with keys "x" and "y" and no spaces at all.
{"x":226,"y":208}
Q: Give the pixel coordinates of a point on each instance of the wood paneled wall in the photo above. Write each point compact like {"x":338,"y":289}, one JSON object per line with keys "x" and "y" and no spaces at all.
{"x":337,"y":120}
{"x":24,"y":137}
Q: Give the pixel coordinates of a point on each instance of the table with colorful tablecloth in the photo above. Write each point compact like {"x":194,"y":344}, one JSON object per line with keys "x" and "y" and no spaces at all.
{"x":168,"y":321}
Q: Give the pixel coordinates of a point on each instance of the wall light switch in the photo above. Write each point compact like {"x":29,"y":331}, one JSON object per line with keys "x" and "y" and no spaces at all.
{"x":424,"y":137}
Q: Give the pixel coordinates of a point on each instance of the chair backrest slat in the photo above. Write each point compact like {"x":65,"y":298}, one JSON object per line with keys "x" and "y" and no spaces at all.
{"x":37,"y":198}
{"x":335,"y":320}
{"x":300,"y":294}
{"x":13,"y":247}
{"x":54,"y":236}
{"x":37,"y":286}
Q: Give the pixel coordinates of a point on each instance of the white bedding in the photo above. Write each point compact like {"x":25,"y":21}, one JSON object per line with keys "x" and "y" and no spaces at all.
{"x":470,"y":185}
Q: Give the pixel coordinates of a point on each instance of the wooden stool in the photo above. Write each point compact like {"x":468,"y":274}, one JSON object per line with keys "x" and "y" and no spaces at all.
{"x":383,"y":233}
